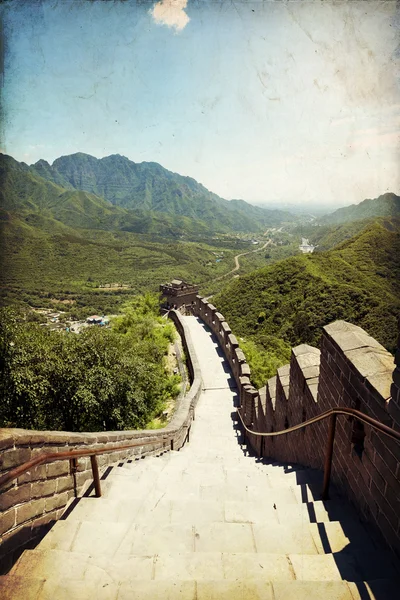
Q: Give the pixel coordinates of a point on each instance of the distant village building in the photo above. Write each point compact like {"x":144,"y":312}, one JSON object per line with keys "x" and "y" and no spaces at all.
{"x":178,"y":293}
{"x":306,"y":247}
{"x":96,"y":320}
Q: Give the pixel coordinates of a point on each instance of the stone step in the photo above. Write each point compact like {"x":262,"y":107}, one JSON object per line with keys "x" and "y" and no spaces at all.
{"x":105,"y":571}
{"x":187,"y":566}
{"x":21,"y":588}
{"x":154,"y":533}
{"x":172,"y":507}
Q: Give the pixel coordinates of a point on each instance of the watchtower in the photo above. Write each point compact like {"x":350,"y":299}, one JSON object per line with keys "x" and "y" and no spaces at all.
{"x":178,"y":293}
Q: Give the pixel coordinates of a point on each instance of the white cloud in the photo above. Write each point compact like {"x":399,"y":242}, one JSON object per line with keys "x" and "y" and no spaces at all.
{"x":170,"y":13}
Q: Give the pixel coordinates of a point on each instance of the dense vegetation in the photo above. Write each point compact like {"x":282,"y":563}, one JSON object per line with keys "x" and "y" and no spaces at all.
{"x":288,"y":303}
{"x":109,"y":379}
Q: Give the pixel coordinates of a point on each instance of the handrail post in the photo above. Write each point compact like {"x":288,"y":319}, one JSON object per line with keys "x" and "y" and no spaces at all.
{"x":96,"y":477}
{"x":328,"y":457}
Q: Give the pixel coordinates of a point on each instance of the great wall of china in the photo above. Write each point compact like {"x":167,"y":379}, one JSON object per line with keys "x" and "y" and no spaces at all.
{"x":350,"y":369}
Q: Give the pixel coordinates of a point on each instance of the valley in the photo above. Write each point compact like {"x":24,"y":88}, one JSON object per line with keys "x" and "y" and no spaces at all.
{"x":68,"y":250}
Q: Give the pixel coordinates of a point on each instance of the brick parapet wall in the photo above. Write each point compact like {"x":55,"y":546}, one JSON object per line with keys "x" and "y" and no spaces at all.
{"x":42,"y":494}
{"x":351,"y":369}
{"x":356,"y":371}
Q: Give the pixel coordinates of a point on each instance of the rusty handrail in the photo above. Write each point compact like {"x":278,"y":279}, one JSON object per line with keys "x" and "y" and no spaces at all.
{"x":332,"y":413}
{"x":49,"y":457}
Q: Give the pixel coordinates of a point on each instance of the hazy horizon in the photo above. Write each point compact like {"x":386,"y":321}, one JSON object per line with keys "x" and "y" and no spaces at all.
{"x":283,"y":103}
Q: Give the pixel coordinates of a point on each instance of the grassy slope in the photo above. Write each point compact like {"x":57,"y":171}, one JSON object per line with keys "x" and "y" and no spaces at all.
{"x":293,"y":299}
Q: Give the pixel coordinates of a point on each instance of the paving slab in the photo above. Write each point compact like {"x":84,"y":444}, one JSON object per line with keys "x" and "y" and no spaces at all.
{"x":154,"y":590}
{"x":194,"y":512}
{"x":61,"y":535}
{"x":248,"y":566}
{"x":155,"y":539}
{"x":249,"y":512}
{"x":40,"y":563}
{"x":101,"y":537}
{"x":320,"y":567}
{"x":312,"y":590}
{"x":122,"y":568}
{"x":273,"y":538}
{"x":188,"y":566}
{"x":100,"y":509}
{"x":68,"y":589}
{"x":224,"y":537}
{"x":234,"y":590}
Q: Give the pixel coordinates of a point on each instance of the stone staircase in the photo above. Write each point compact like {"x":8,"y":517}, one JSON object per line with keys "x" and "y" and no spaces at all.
{"x":209,"y":522}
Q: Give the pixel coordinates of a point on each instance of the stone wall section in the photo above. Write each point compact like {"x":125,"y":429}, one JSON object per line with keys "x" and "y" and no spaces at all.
{"x":41,"y":495}
{"x":350,"y":369}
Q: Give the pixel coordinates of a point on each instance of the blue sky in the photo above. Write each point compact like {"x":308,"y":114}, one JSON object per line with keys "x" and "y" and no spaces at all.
{"x":292,"y":102}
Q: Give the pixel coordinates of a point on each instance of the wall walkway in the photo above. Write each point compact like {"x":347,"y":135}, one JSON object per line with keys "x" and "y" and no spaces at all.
{"x":349,"y":369}
{"x":208,"y":522}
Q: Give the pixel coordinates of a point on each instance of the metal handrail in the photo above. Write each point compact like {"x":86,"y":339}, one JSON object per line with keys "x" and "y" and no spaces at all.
{"x":49,"y":457}
{"x":332,"y":413}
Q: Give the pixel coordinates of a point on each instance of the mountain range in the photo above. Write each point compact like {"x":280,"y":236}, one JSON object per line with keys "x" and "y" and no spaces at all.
{"x":116,"y":193}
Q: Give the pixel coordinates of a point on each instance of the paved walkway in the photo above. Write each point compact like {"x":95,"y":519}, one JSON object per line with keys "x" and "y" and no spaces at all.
{"x":206,"y":523}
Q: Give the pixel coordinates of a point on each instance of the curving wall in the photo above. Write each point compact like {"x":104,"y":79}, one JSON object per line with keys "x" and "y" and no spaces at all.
{"x":350,"y":369}
{"x":40,"y":496}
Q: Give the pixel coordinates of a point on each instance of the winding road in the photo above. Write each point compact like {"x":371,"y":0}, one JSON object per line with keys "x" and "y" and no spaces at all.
{"x":236,"y":259}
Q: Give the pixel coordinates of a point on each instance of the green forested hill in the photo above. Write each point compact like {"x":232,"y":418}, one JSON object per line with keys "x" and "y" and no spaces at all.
{"x":150,"y":187}
{"x":387,"y":205}
{"x":115,"y":193}
{"x":288,"y":303}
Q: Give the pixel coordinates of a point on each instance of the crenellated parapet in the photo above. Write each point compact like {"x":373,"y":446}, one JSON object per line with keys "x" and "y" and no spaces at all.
{"x":350,"y":369}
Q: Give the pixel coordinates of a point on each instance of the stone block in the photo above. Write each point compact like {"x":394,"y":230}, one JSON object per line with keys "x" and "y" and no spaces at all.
{"x":245,"y":370}
{"x":7,"y":520}
{"x":28,"y":511}
{"x":284,"y":371}
{"x":57,"y":501}
{"x":311,"y":372}
{"x":369,"y":362}
{"x":65,"y":483}
{"x":13,"y":458}
{"x":380,"y":383}
{"x":61,"y":467}
{"x":40,"y":489}
{"x":14,"y":496}
{"x":34,"y":474}
{"x":6,"y":439}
